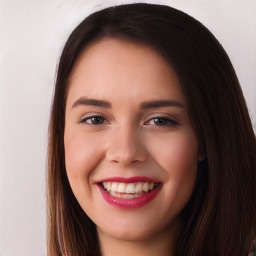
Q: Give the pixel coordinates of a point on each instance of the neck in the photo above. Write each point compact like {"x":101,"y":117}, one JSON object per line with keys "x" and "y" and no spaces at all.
{"x":162,"y":243}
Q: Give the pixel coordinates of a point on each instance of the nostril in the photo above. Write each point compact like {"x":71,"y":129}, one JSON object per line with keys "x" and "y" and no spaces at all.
{"x":128,"y":157}
{"x":125,"y":147}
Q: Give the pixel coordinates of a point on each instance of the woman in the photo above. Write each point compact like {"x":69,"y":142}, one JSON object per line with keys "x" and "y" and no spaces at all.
{"x":151,"y":148}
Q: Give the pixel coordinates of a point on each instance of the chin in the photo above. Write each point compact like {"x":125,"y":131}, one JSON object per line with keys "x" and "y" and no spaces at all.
{"x":129,"y":234}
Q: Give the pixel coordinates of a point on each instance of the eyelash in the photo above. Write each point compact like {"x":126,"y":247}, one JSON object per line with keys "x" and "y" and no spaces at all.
{"x":164,"y":121}
{"x":84,"y":120}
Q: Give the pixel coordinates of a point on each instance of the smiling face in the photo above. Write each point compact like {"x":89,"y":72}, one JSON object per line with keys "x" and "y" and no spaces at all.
{"x":131,"y":153}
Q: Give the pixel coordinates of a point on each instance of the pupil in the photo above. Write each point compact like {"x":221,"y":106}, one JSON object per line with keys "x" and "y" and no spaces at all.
{"x":160,"y":121}
{"x":97,"y":120}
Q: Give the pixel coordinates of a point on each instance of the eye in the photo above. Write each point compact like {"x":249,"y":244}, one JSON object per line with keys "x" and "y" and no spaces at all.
{"x":93,"y":120}
{"x":161,"y":121}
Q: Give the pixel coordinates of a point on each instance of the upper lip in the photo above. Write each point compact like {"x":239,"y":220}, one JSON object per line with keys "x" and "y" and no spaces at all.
{"x":130,"y":179}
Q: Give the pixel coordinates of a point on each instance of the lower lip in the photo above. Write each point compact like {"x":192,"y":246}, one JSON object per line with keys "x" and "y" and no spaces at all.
{"x":129,"y":203}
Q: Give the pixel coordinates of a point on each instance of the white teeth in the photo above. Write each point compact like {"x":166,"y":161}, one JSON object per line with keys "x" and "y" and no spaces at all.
{"x":138,"y":188}
{"x":121,"y":187}
{"x":145,"y":187}
{"x":128,"y":188}
{"x":108,"y":186}
{"x":125,"y":196}
{"x":105,"y":185}
{"x":114,"y":187}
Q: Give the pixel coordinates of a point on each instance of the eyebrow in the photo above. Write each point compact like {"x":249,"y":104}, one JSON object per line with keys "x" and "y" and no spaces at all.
{"x":145,"y":105}
{"x":91,"y":102}
{"x":161,"y":103}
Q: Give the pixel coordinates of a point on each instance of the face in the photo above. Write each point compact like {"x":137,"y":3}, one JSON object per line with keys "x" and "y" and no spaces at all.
{"x":131,"y":153}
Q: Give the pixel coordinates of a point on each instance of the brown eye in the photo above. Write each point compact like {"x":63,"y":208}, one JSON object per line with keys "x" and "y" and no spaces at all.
{"x":94,"y":120}
{"x":161,"y":121}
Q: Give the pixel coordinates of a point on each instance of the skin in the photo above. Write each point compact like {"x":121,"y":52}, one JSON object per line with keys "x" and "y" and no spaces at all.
{"x":129,"y":141}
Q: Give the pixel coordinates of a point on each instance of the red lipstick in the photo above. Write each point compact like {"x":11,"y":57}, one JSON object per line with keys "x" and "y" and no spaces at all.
{"x":129,"y":203}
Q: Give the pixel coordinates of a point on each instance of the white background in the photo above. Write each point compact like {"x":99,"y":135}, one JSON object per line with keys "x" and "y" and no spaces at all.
{"x":32,"y":34}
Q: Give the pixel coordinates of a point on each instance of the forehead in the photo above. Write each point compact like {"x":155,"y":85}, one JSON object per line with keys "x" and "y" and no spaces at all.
{"x":112,"y":67}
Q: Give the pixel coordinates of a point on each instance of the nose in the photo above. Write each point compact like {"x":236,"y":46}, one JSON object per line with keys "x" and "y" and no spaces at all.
{"x":126,"y":147}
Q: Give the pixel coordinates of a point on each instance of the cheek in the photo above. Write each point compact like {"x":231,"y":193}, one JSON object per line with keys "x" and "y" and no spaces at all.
{"x":182,"y":158}
{"x":176,"y":151}
{"x":82,"y":153}
{"x":177,"y":155}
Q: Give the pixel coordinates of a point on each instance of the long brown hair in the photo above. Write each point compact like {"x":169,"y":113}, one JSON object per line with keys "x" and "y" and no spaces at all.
{"x":221,"y":213}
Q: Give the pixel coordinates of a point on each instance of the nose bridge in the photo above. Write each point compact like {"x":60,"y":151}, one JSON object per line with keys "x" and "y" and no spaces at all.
{"x":126,"y":145}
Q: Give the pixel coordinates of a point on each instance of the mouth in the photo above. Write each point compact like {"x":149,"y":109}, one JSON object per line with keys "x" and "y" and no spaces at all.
{"x":128,"y":190}
{"x":131,"y":192}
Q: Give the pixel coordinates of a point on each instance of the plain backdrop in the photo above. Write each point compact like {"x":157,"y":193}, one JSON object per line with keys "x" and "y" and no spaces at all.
{"x":32,"y":34}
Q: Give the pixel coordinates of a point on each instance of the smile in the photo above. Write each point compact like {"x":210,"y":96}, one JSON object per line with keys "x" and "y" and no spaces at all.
{"x":131,"y":192}
{"x":128,"y":190}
